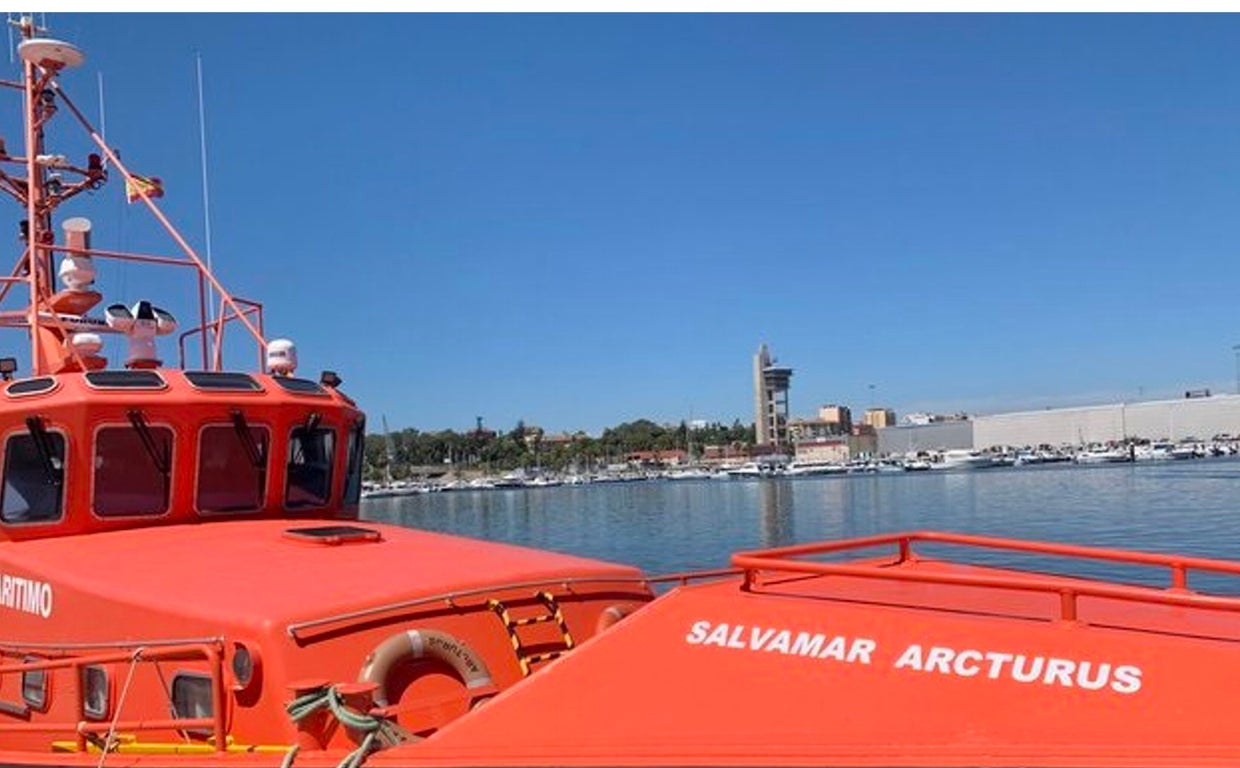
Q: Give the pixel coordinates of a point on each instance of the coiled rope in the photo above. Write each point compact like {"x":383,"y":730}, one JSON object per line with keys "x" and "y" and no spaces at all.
{"x":378,"y":732}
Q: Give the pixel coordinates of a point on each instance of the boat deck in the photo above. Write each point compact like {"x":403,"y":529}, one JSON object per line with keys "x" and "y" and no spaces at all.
{"x":889,"y":660}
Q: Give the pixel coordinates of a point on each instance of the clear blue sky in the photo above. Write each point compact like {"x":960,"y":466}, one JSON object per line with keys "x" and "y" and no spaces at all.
{"x":580,"y":220}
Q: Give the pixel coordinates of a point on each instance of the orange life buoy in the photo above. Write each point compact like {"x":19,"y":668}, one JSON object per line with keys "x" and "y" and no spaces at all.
{"x":416,"y":644}
{"x":612,"y":615}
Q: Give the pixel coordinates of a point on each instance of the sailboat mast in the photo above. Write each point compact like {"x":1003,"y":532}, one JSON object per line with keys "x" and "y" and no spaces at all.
{"x":391,"y":450}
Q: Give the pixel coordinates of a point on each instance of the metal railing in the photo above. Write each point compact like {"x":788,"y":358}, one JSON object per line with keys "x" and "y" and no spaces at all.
{"x":214,"y":360}
{"x":73,"y":658}
{"x":1068,"y":588}
{"x":300,"y":630}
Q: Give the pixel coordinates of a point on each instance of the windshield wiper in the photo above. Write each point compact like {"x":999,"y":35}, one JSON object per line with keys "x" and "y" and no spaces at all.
{"x":307,"y":430}
{"x":253,"y":448}
{"x":159,"y":458}
{"x":43,"y":446}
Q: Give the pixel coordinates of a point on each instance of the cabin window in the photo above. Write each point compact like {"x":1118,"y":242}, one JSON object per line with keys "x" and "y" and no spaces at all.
{"x":311,"y":451}
{"x":34,"y":685}
{"x":96,"y":692}
{"x":299,"y":386}
{"x":31,"y":386}
{"x":125,"y":380}
{"x":191,"y":699}
{"x":133,"y":469}
{"x":357,"y":450}
{"x":223,"y":380}
{"x":232,"y":467}
{"x":34,"y":477}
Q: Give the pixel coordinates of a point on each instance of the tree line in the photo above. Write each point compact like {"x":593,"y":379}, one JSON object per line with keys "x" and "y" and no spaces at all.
{"x":410,"y":451}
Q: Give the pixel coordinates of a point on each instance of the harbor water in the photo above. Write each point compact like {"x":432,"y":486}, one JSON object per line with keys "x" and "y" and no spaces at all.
{"x":1190,"y":508}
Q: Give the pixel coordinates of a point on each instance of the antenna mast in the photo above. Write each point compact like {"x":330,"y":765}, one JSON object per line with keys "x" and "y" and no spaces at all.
{"x":206,"y":193}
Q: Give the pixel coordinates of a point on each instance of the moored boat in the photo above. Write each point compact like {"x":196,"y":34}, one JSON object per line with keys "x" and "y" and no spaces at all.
{"x":1101,"y":455}
{"x":960,"y":458}
{"x":180,"y":550}
{"x":810,"y":468}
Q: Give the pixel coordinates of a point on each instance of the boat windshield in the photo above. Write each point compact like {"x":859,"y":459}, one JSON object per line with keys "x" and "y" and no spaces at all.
{"x":131,"y":470}
{"x":310,"y":453}
{"x":232,"y":467}
{"x":33,"y":477}
{"x":357,"y":449}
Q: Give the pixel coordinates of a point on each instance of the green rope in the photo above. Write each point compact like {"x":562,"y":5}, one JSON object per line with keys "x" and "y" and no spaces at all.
{"x":379,"y":732}
{"x":358,"y":756}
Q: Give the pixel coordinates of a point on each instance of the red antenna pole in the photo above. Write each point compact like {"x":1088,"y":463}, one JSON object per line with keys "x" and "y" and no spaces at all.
{"x":33,"y":189}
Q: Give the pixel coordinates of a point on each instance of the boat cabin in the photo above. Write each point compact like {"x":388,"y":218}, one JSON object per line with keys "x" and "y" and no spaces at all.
{"x":109,"y":449}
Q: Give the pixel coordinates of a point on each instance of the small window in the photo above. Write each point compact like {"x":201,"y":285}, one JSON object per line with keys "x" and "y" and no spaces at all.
{"x":310,"y":454}
{"x":125,"y":380}
{"x":132,"y":470}
{"x":357,"y":452}
{"x":34,"y":686}
{"x":236,"y":382}
{"x":299,"y":386}
{"x":191,"y":699}
{"x":31,"y":386}
{"x":96,"y":692}
{"x":33,"y":477}
{"x":232,"y":467}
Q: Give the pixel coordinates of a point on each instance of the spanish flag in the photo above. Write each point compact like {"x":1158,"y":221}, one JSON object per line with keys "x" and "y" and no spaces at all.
{"x":135,"y":185}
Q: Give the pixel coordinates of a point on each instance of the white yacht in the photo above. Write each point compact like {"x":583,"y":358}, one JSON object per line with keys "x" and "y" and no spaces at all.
{"x":1117,"y":455}
{"x":514,"y":479}
{"x":752,"y":469}
{"x":960,"y":458}
{"x":1160,"y":451}
{"x":692,"y":473}
{"x":1188,"y":449}
{"x":806,"y":468}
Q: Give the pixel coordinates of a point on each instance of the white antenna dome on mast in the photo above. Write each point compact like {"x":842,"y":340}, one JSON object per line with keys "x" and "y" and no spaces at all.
{"x":50,"y":54}
{"x":86,"y":344}
{"x":281,"y":357}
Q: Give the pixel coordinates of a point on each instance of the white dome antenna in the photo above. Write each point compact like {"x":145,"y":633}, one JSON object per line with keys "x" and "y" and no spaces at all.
{"x":281,"y":357}
{"x":141,"y":324}
{"x":50,"y":54}
{"x":86,"y":344}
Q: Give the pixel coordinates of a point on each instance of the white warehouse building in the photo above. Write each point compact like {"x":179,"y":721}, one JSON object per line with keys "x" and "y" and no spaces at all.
{"x":1195,"y":417}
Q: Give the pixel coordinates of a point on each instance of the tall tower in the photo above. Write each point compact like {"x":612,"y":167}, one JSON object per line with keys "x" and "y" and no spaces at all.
{"x":770,"y":390}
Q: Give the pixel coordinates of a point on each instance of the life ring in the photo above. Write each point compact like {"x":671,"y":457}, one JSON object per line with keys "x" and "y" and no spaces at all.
{"x":416,"y":644}
{"x":612,"y":615}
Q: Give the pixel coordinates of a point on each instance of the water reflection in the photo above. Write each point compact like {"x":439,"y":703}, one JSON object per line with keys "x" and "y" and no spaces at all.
{"x":668,"y":526}
{"x":777,"y":504}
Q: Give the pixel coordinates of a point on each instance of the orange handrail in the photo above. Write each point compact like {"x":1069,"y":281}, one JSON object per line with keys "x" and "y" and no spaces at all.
{"x":251,"y":308}
{"x":300,"y":630}
{"x":1177,"y":594}
{"x":211,"y":652}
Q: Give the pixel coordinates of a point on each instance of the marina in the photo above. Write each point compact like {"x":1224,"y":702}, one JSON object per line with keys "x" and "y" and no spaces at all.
{"x":950,"y":460}
{"x":666,"y":527}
